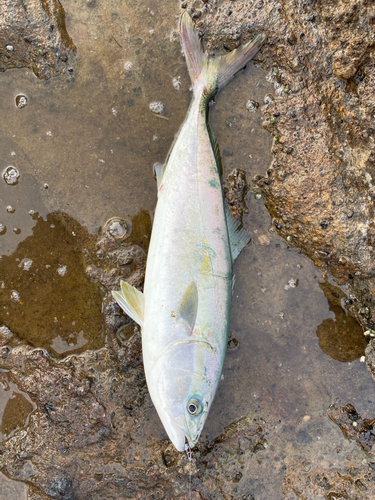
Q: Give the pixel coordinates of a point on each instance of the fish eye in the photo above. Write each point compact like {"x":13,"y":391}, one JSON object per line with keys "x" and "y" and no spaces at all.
{"x":194,"y":407}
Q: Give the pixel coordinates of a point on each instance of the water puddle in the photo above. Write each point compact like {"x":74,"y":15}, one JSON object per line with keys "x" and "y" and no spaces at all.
{"x":46,"y":297}
{"x":84,"y":146}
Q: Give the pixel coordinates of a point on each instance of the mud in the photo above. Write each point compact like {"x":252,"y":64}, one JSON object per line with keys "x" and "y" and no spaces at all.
{"x":319,"y":189}
{"x":33,"y":35}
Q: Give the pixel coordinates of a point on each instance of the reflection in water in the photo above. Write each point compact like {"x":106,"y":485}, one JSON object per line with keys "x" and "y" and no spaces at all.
{"x":21,"y":204}
{"x":341,"y":338}
{"x":46,"y":297}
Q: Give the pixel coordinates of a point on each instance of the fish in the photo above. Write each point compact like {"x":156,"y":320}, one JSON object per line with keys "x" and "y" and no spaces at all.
{"x":184,"y":310}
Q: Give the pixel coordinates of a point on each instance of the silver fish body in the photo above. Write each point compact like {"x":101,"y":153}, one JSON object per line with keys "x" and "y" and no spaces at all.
{"x":184,"y":311}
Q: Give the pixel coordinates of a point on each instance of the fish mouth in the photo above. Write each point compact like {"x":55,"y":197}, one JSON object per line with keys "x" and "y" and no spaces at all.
{"x":182,"y":442}
{"x":179,"y":434}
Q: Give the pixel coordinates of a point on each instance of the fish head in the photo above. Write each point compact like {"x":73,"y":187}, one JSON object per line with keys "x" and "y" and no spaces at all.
{"x":182,"y":387}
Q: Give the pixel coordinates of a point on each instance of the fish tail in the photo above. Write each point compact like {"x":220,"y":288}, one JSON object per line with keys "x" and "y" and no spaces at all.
{"x":213,"y":72}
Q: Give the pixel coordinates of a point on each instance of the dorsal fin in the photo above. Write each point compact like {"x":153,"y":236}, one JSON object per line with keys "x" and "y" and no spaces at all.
{"x":132,"y":302}
{"x":189,"y":306}
{"x":238,"y":236}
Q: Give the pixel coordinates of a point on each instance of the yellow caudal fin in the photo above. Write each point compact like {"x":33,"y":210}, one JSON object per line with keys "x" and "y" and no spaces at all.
{"x":215,"y":72}
{"x":192,"y":48}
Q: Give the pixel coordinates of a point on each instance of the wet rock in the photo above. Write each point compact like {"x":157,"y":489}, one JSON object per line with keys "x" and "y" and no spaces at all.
{"x":33,"y":34}
{"x":370,"y":355}
{"x":353,"y":426}
{"x":339,"y":481}
{"x":88,"y":408}
{"x":235,"y":190}
{"x":339,"y":484}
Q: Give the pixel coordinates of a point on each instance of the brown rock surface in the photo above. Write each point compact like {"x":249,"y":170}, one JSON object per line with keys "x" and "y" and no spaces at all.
{"x":33,"y":35}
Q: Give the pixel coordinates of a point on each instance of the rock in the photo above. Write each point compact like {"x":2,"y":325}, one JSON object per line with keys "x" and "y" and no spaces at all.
{"x":353,"y":425}
{"x":235,"y":189}
{"x":33,"y":34}
{"x":344,"y":66}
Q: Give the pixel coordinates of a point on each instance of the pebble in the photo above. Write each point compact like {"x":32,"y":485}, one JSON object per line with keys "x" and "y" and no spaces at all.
{"x":176,"y":82}
{"x":157,"y":107}
{"x":11,"y":175}
{"x":268,"y":98}
{"x":116,"y":228}
{"x":14,"y":296}
{"x":252,"y":106}
{"x":263,"y":240}
{"x":62,"y":270}
{"x":292,"y":283}
{"x":5,"y":332}
{"x":21,"y":101}
{"x":25,"y":264}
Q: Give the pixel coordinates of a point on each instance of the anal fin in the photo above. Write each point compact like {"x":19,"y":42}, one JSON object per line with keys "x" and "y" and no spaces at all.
{"x":131,"y":301}
{"x":238,"y":236}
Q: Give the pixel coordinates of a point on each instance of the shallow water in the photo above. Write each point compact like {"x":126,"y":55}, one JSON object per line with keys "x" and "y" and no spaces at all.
{"x":85,"y":145}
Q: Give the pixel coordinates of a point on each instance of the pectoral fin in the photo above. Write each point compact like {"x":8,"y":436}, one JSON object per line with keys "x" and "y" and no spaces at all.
{"x":238,"y":236}
{"x":189,"y":306}
{"x":132,"y":302}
